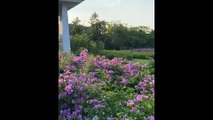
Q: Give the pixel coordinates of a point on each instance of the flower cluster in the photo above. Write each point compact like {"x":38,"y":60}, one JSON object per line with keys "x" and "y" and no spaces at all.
{"x":146,"y":86}
{"x":99,"y":88}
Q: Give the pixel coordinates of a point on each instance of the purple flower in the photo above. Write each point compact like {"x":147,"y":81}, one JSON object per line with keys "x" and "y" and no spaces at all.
{"x":123,"y":80}
{"x":140,"y":85}
{"x":138,"y":98}
{"x":61,"y":112}
{"x":76,"y":113}
{"x":61,"y":75}
{"x":143,"y":49}
{"x":73,"y":101}
{"x":81,"y":100}
{"x":150,"y":78}
{"x":69,"y":117}
{"x":106,"y":65}
{"x":80,"y":88}
{"x":80,"y":117}
{"x":152,"y":118}
{"x":110,"y":118}
{"x":146,"y":97}
{"x":66,"y":77}
{"x":124,"y":117}
{"x":92,"y":74}
{"x":85,"y":84}
{"x":70,"y":67}
{"x":109,"y":77}
{"x":84,"y":52}
{"x":65,"y":112}
{"x":95,"y":118}
{"x":77,"y":60}
{"x":60,"y":81}
{"x":69,"y":89}
{"x":82,"y":77}
{"x":131,"y":68}
{"x":130,"y":103}
{"x":115,"y":61}
{"x":133,"y":109}
{"x":73,"y":76}
{"x":143,"y":66}
{"x":153,"y":90}
{"x":94,"y":102}
{"x":78,"y":107}
{"x":133,"y":72}
{"x":109,"y":71}
{"x":97,"y":106}
{"x":63,"y":95}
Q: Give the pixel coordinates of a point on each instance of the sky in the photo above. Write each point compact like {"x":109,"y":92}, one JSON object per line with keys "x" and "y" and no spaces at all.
{"x":130,"y":12}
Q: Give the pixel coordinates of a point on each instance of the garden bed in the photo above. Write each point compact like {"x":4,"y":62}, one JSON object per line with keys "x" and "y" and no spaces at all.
{"x":103,"y":89}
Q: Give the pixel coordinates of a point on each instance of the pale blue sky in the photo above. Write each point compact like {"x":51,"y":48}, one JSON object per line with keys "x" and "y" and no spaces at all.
{"x":131,"y":12}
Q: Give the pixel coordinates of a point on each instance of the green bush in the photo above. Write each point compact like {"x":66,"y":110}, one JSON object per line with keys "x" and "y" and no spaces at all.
{"x":127,"y":54}
{"x":64,"y":60}
{"x":79,"y":42}
{"x":95,"y":47}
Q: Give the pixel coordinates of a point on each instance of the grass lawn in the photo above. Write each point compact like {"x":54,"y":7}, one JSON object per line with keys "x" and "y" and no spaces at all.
{"x":142,"y":61}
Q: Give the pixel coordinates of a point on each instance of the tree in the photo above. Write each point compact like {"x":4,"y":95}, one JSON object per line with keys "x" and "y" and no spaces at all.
{"x":98,"y":28}
{"x":103,"y":35}
{"x":76,"y":28}
{"x":97,"y":31}
{"x":118,"y":34}
{"x":94,"y":19}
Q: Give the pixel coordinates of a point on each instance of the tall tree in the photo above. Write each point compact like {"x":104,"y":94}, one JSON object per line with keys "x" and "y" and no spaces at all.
{"x":94,"y":18}
{"x":76,"y":28}
{"x":97,"y":31}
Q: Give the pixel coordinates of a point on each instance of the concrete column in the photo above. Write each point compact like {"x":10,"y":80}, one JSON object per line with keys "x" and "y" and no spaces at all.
{"x":65,"y":29}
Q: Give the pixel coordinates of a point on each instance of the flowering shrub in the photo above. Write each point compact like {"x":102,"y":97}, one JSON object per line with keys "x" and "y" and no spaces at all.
{"x":103,"y":89}
{"x":64,"y":60}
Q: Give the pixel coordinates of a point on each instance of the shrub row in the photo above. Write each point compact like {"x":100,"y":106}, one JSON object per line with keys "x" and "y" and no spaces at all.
{"x":127,"y":54}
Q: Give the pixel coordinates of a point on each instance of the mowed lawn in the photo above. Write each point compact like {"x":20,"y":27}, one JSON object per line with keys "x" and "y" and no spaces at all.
{"x":142,"y":61}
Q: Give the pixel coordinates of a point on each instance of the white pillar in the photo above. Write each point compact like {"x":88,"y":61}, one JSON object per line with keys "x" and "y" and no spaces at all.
{"x":65,"y":30}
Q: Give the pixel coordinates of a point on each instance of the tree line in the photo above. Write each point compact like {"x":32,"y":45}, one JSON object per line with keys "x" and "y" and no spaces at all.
{"x":108,"y":35}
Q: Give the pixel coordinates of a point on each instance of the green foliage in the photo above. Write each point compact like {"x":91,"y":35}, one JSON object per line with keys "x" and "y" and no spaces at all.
{"x":112,"y":36}
{"x":141,"y":61}
{"x":123,"y":37}
{"x":127,"y":54}
{"x":76,"y":27}
{"x":78,"y":42}
{"x":95,"y":47}
{"x":151,"y":67}
{"x":64,"y":60}
{"x":97,"y":31}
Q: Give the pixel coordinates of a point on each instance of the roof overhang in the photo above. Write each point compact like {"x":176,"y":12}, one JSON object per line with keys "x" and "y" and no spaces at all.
{"x":69,"y":3}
